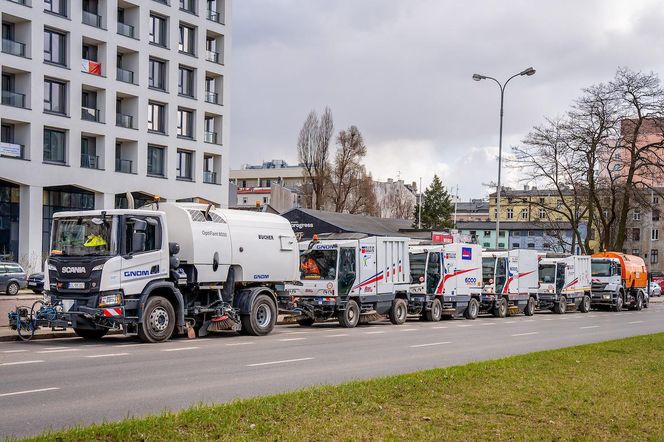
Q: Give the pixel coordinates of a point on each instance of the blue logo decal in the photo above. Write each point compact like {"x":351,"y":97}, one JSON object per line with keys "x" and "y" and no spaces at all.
{"x":136,"y":273}
{"x":466,"y":253}
{"x":261,"y":276}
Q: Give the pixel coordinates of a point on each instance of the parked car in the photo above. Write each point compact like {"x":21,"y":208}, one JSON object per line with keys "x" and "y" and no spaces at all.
{"x":655,"y":289}
{"x":12,"y":278}
{"x":36,"y":282}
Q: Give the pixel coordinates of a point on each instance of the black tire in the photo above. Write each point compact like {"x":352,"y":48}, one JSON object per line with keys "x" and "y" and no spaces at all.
{"x":500,"y":309}
{"x":561,"y":306}
{"x":158,"y":321}
{"x":12,"y":288}
{"x":349,"y":317}
{"x":530,"y":307}
{"x":472,"y":310}
{"x":639,"y":302}
{"x":306,"y":322}
{"x":619,"y":303}
{"x":399,"y":311}
{"x":435,"y":312}
{"x":584,"y":307}
{"x":262,"y":318}
{"x":91,"y":334}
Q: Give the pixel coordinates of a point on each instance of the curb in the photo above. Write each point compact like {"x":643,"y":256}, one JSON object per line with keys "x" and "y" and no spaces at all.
{"x":14,"y":337}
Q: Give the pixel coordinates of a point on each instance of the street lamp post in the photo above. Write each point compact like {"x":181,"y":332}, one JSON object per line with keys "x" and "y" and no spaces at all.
{"x":477,"y":77}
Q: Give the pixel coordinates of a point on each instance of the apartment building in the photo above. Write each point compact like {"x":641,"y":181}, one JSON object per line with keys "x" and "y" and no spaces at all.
{"x":104,"y":97}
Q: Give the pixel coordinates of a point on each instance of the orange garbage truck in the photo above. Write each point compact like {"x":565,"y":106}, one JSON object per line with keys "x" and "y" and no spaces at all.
{"x":618,"y":281}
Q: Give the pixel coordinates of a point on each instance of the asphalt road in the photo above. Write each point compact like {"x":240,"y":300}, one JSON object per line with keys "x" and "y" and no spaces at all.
{"x":51,"y":384}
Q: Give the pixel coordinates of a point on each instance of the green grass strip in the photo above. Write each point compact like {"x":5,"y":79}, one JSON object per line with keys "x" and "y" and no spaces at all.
{"x":608,"y":391}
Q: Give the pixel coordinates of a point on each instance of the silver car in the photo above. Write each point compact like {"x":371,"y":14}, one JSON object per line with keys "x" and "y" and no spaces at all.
{"x":12,"y":278}
{"x":655,"y":289}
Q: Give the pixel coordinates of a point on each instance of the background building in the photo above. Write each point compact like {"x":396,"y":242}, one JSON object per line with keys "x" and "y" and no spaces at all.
{"x":473,"y":210}
{"x":273,"y":182}
{"x":395,"y":198}
{"x":102,"y":97}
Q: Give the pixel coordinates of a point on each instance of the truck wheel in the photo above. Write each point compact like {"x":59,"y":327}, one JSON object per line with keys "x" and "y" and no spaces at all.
{"x":350,"y":316}
{"x":530,"y":307}
{"x":158,"y":321}
{"x":472,"y":310}
{"x":435,"y":312}
{"x":12,"y":289}
{"x":306,"y":322}
{"x":90,"y":334}
{"x":500,"y":309}
{"x":399,"y":311}
{"x":619,"y":303}
{"x":585,"y":304}
{"x":262,"y":318}
{"x":639,"y":302}
{"x":561,"y":306}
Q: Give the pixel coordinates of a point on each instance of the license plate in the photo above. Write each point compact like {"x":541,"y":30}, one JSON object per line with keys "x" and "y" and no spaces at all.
{"x":76,"y":285}
{"x":32,"y":284}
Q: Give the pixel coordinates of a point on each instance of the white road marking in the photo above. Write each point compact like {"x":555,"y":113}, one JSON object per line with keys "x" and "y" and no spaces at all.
{"x":292,"y":339}
{"x":407,"y":329}
{"x":374,"y":332}
{"x":547,"y":319}
{"x":510,"y":322}
{"x":180,"y":348}
{"x":54,"y":348}
{"x":337,"y":335}
{"x":58,"y":351}
{"x":525,"y":334}
{"x":589,"y":326}
{"x":107,"y":355}
{"x":528,"y":320}
{"x":39,"y":390}
{"x":297,"y":333}
{"x":430,"y":344}
{"x":440,"y":327}
{"x":14,"y":351}
{"x":635,"y":322}
{"x":4,"y":364}
{"x":232,"y":344}
{"x":465,"y":325}
{"x":128,"y":345}
{"x":285,"y":361}
{"x":488,"y":323}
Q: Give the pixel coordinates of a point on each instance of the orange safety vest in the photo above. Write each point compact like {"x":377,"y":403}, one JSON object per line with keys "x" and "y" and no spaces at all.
{"x":309,"y":267}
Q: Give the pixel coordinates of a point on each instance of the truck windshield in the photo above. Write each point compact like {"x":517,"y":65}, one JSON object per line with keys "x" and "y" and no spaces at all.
{"x":547,"y":273}
{"x":488,"y":268}
{"x":601,"y":268}
{"x":318,"y":264}
{"x":418,"y":262}
{"x":83,"y":236}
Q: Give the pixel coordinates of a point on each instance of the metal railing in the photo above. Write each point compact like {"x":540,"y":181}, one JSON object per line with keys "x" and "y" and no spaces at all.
{"x":214,"y":16}
{"x":124,"y":166}
{"x":12,"y":150}
{"x":212,"y":56}
{"x":11,"y":98}
{"x":92,"y":19}
{"x":13,"y":47}
{"x":125,"y":75}
{"x":211,"y":97}
{"x":209,"y":177}
{"x":18,"y":2}
{"x":125,"y":29}
{"x":210,"y":137}
{"x":90,"y":114}
{"x":124,"y":120}
{"x":89,"y":161}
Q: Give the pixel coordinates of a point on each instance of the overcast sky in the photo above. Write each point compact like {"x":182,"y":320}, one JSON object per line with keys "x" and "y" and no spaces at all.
{"x":400,"y":70}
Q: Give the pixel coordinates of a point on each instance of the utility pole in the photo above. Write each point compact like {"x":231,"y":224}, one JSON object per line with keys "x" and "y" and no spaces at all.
{"x":456,"y":201}
{"x":419,"y":208}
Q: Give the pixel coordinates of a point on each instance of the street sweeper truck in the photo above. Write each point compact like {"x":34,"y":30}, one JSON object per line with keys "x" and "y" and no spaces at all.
{"x":564,"y":284}
{"x":619,"y":280}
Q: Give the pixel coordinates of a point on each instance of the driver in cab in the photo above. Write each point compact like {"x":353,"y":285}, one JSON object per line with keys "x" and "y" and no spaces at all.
{"x":309,"y":268}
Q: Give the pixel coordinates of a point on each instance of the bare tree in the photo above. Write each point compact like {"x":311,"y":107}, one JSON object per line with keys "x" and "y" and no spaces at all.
{"x":347,"y":171}
{"x":363,"y":198}
{"x":313,"y":149}
{"x":399,"y":202}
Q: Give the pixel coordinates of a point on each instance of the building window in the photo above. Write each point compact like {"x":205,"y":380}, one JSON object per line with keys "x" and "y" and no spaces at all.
{"x":245,"y":200}
{"x":501,"y":245}
{"x":655,"y":199}
{"x":510,"y":213}
{"x":187,"y":42}
{"x":636,"y":215}
{"x":185,"y":123}
{"x":54,"y":145}
{"x":157,"y":117}
{"x":486,"y":245}
{"x":501,"y":234}
{"x":559,"y":204}
{"x":155,"y":160}
{"x":524,"y":214}
{"x":184,"y":164}
{"x":158,"y":30}
{"x":542,"y":213}
{"x":58,"y":7}
{"x":515,"y":245}
{"x":655,"y":215}
{"x":55,"y":98}
{"x":636,"y":252}
{"x":157,"y":73}
{"x":546,"y":246}
{"x":541,"y":200}
{"x":654,"y":256}
{"x":89,"y":158}
{"x":636,"y":234}
{"x":531,"y":245}
{"x":487,"y":233}
{"x":655,"y":234}
{"x":55,"y":46}
{"x":186,"y":81}
{"x":495,"y":213}
{"x":188,"y":6}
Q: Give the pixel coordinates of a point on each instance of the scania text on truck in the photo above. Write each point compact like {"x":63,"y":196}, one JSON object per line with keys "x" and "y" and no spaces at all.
{"x":510,"y":282}
{"x":350,"y":278}
{"x":446,"y":280}
{"x":564,"y":283}
{"x":169,"y":268}
{"x":619,"y":280}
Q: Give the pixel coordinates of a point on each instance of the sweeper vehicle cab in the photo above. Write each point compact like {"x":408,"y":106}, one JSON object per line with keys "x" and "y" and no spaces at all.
{"x":619,"y":280}
{"x":564,"y":284}
{"x":510,"y":283}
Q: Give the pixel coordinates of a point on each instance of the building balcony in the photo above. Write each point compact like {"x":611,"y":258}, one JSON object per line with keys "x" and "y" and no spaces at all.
{"x":12,"y":150}
{"x":13,"y":47}
{"x":209,"y":177}
{"x":122,"y":120}
{"x":10,"y":98}
{"x":214,"y":16}
{"x":124,"y":166}
{"x":18,"y":2}
{"x":126,"y":30}
{"x":212,"y":56}
{"x":125,"y":75}
{"x":89,"y":161}
{"x":90,"y":114}
{"x":92,"y":19}
{"x":211,"y":97}
{"x":210,"y":137}
{"x":91,"y":67}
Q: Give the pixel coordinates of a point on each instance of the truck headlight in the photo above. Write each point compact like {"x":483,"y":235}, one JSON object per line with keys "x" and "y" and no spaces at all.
{"x":606,"y":296}
{"x":98,"y":267}
{"x":108,"y":300}
{"x":52,"y":267}
{"x":550,"y":289}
